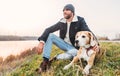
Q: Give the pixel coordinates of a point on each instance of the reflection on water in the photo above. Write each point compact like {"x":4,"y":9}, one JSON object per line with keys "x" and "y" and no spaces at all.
{"x":15,"y":47}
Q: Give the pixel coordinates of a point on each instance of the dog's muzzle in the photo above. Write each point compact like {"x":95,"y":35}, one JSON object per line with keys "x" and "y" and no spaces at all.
{"x":77,"y":43}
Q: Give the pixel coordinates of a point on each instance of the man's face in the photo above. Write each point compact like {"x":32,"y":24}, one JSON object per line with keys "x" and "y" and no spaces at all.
{"x":67,"y":13}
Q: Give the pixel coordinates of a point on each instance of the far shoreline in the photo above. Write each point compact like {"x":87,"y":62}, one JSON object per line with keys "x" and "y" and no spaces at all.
{"x":17,"y":38}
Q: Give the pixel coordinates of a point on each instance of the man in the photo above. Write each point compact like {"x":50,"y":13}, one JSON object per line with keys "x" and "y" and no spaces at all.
{"x":68,"y":26}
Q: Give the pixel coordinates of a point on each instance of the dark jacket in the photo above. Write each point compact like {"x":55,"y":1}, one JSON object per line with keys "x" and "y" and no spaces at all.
{"x":78,"y":25}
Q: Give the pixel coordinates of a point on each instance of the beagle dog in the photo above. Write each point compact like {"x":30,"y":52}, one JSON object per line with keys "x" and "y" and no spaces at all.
{"x":86,"y":41}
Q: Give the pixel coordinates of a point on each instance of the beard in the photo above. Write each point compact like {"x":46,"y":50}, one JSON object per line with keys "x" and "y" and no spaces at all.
{"x":67,"y":16}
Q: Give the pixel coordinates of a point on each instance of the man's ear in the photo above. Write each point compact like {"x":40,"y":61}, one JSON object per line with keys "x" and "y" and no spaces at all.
{"x":92,"y":40}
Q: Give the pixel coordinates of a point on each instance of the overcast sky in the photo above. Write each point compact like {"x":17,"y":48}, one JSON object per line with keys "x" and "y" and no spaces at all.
{"x":31,"y":17}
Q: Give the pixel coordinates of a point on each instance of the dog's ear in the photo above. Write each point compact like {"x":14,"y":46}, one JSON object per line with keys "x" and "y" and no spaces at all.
{"x":92,"y":40}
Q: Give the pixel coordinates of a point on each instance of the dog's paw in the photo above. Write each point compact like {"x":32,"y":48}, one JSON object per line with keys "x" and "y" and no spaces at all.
{"x":85,"y":71}
{"x":66,"y":67}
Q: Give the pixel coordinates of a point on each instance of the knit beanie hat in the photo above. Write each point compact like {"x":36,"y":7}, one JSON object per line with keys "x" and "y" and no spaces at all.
{"x":70,"y":7}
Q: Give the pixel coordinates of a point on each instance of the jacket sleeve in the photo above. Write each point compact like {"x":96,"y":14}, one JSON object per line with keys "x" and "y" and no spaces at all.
{"x":83,"y":25}
{"x":49,"y":30}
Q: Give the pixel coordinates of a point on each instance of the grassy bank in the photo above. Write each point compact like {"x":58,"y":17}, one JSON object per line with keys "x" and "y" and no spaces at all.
{"x":107,"y":65}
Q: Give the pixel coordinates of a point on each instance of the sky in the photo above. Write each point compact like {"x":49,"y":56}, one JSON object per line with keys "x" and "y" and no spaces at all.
{"x":31,"y":17}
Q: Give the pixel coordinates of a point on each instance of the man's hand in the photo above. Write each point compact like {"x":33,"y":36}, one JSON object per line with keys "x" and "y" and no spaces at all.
{"x":40,"y":47}
{"x":96,"y":48}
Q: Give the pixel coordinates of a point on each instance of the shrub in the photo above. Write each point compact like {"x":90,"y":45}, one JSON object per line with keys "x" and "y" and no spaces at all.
{"x":10,"y":58}
{"x":27,"y":53}
{"x":1,"y":60}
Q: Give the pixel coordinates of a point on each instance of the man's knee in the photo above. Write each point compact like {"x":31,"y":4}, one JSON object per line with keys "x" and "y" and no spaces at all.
{"x":51,"y":35}
{"x":73,"y":52}
{"x":64,"y":56}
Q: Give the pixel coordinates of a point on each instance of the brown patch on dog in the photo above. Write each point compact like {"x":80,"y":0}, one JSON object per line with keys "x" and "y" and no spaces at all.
{"x":89,"y":35}
{"x":78,"y":34}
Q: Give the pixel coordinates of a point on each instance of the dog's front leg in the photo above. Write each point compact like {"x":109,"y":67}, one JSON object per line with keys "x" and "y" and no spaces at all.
{"x":75,"y":59}
{"x":90,"y":64}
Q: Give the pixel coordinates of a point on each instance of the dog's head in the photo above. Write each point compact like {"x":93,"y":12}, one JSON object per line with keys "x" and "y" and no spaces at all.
{"x":84,"y":38}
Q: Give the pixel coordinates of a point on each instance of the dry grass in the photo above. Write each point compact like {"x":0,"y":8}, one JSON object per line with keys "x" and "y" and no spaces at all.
{"x":106,"y":65}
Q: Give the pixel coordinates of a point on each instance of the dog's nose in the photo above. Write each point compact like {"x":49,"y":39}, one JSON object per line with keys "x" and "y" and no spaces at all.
{"x":76,"y":41}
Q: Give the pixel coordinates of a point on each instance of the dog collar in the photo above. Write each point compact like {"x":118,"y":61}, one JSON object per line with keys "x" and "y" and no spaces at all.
{"x":88,"y":49}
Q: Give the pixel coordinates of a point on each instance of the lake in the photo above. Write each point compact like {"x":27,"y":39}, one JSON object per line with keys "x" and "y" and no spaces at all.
{"x":15,"y":47}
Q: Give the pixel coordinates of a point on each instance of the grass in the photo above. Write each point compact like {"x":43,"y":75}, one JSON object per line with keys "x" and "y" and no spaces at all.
{"x":107,"y":65}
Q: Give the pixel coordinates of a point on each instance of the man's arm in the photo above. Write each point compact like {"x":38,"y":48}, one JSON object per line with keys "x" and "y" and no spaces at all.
{"x":49,"y":30}
{"x":83,"y":25}
{"x":45,"y":35}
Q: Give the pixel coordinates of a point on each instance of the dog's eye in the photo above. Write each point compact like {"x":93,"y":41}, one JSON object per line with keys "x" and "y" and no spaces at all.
{"x":83,"y":36}
{"x":76,"y":36}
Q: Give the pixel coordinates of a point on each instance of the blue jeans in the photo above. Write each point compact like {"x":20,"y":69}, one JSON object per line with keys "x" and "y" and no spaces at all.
{"x":70,"y":51}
